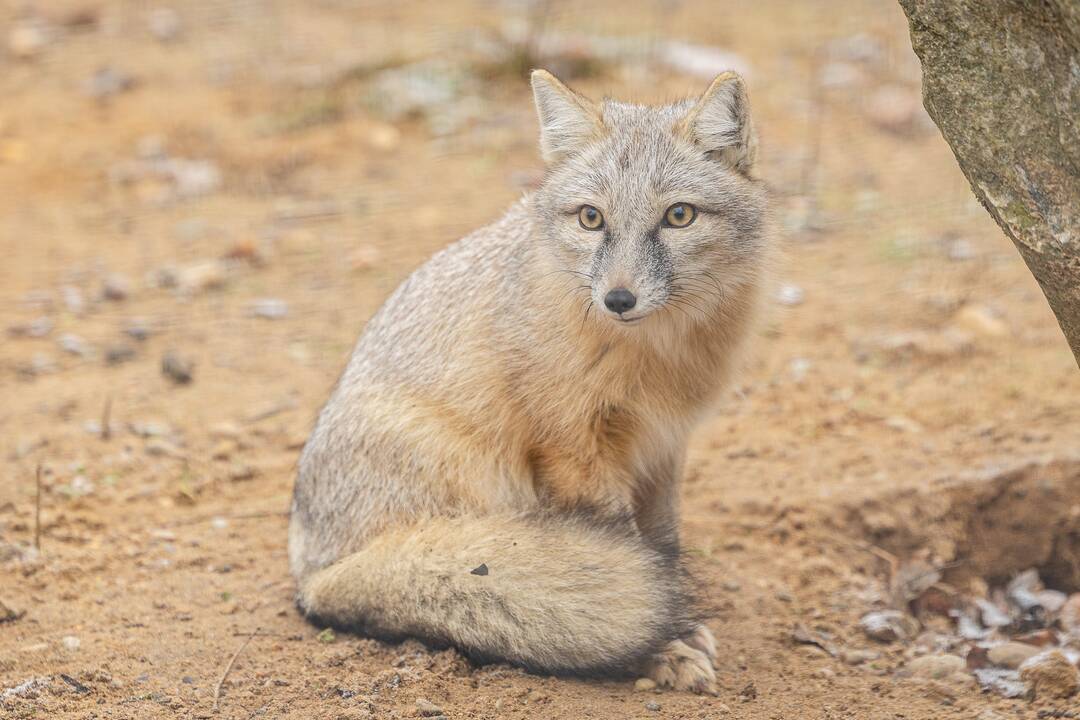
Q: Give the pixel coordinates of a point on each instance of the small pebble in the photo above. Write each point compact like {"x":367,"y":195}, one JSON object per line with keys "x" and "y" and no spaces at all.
{"x":426,"y":708}
{"x":119,"y":353}
{"x":117,"y":287}
{"x":887,"y":626}
{"x":73,"y":344}
{"x":164,"y":24}
{"x":178,"y":368}
{"x":70,"y":642}
{"x":270,"y":308}
{"x":934,"y":667}
{"x":644,"y":684}
{"x":27,"y":39}
{"x":790,"y":295}
{"x":652,"y":706}
{"x":160,"y":447}
{"x":137,"y":329}
{"x":1011,"y":654}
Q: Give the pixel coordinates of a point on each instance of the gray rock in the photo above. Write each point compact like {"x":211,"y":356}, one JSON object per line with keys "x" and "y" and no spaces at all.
{"x":1007,"y":104}
{"x":888,"y":626}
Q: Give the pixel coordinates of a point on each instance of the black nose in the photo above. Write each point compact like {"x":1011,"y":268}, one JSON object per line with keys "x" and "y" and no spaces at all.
{"x":620,"y":300}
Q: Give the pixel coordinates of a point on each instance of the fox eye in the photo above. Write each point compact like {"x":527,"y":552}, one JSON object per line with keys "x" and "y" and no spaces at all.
{"x":679,"y":215}
{"x":590,"y":218}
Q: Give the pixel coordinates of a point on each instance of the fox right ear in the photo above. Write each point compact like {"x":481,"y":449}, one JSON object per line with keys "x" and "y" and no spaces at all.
{"x":567,"y":120}
{"x":720,"y":123}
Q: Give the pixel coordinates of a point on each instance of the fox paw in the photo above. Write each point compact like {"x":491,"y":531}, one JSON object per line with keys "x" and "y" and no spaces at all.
{"x":681,"y":667}
{"x":702,"y":639}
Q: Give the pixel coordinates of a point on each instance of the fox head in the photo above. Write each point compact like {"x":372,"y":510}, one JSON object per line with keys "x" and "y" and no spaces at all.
{"x":654,"y":211}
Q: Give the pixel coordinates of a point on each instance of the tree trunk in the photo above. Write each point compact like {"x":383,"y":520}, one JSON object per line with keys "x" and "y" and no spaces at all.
{"x":1001,"y":78}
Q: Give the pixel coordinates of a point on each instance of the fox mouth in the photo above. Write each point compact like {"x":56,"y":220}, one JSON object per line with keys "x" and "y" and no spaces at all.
{"x":629,"y":321}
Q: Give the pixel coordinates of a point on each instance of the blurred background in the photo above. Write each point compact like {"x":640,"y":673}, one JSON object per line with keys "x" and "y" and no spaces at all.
{"x":202,"y":201}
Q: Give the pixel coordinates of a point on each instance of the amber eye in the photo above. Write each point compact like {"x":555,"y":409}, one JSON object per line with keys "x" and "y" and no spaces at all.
{"x":679,"y":215}
{"x":590,"y":218}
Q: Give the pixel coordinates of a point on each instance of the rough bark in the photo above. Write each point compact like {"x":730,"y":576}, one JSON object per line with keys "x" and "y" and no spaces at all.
{"x":1001,"y":78}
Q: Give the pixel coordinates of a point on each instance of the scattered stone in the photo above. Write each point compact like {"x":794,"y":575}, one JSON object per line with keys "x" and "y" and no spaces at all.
{"x":980,"y":320}
{"x":194,"y":178}
{"x":933,"y":667}
{"x":178,"y":368}
{"x":1050,"y":675}
{"x":326,"y":636}
{"x":197,"y":278}
{"x":119,"y":353}
{"x":108,"y":82}
{"x":888,"y":626}
{"x":959,"y":249}
{"x":37,"y":328}
{"x":73,"y":299}
{"x":904,"y":347}
{"x":150,"y":429}
{"x":859,"y":657}
{"x":384,"y":136}
{"x":28,"y":689}
{"x":223,"y":450}
{"x":1070,"y":614}
{"x":270,"y":308}
{"x":116,"y":287}
{"x":225,"y":431}
{"x":426,"y":708}
{"x":242,"y":472}
{"x":896,"y":109}
{"x":27,"y":39}
{"x":1011,"y":654}
{"x":790,"y":295}
{"x":644,"y":684}
{"x":10,"y":614}
{"x":701,"y":61}
{"x":364,"y":258}
{"x":73,"y":344}
{"x":652,"y":706}
{"x":164,"y":24}
{"x":70,"y":642}
{"x":160,"y":447}
{"x":1052,"y":601}
{"x":839,"y":75}
{"x":137,"y":329}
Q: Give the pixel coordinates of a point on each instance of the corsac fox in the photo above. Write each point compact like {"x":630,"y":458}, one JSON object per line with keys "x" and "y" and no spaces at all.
{"x":498,"y":467}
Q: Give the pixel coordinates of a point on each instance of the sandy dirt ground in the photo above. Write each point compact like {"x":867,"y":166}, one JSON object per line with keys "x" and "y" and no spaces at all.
{"x":230,"y":188}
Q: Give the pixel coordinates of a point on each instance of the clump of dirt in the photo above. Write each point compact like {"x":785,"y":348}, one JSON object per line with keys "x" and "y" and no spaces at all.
{"x":957,"y":598}
{"x":989,"y":525}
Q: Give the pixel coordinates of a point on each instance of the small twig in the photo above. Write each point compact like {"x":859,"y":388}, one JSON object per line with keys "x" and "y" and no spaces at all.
{"x":37,"y":510}
{"x":239,"y":516}
{"x":229,"y":667}
{"x":106,"y":414}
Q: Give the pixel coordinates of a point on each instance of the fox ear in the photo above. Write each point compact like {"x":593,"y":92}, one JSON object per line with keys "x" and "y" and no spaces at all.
{"x":720,"y":123}
{"x":567,"y":120}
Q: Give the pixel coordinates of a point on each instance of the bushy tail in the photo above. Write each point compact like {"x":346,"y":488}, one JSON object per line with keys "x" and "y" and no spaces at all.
{"x":555,"y":594}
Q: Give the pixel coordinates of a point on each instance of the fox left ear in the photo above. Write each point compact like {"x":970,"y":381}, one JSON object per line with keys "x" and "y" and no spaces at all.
{"x":568,"y":121}
{"x":720,"y":123}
